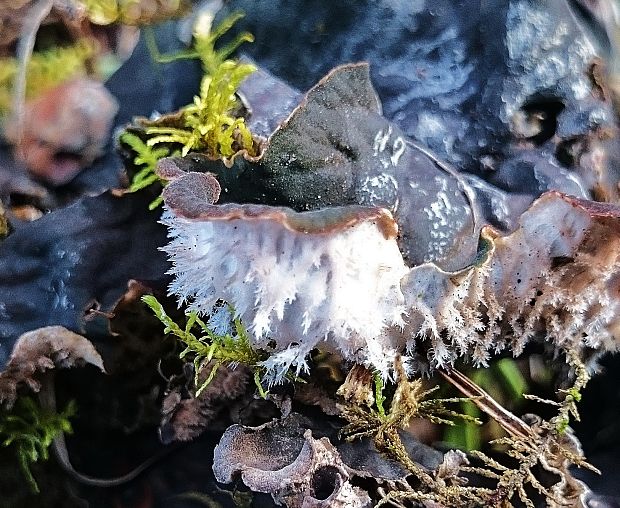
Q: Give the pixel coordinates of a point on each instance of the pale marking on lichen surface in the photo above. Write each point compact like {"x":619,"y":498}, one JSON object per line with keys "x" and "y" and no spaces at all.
{"x":397,"y":148}
{"x":377,"y":189}
{"x":381,"y":139}
{"x":416,"y":186}
{"x":445,"y":219}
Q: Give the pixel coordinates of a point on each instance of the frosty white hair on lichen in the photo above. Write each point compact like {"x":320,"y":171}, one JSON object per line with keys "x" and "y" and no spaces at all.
{"x":335,"y":279}
{"x":221,"y":320}
{"x":278,"y":364}
{"x":557,"y":276}
{"x":295,"y":279}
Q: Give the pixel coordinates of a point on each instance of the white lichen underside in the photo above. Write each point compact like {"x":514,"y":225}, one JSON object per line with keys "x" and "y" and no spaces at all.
{"x":557,"y":277}
{"x":293,"y":288}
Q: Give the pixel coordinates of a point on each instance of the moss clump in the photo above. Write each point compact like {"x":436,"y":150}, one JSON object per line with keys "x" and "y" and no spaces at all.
{"x":410,"y":401}
{"x":229,"y":349}
{"x":29,"y":430}
{"x":210,"y":124}
{"x":532,"y":447}
{"x":45,"y":70}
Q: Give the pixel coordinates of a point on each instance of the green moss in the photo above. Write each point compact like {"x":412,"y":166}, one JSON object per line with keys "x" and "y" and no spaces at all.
{"x":209,"y":124}
{"x":132,"y":12}
{"x":29,"y":430}
{"x":45,"y":70}
{"x":208,"y":347}
{"x":542,"y":445}
{"x":146,"y":157}
{"x":382,"y":425}
{"x":4,"y":223}
{"x":410,"y":400}
{"x":205,"y":39}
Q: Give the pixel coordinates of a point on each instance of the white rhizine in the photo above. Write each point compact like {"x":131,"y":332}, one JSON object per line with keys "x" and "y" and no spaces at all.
{"x":293,"y":288}
{"x":522,"y":290}
{"x":347,"y":290}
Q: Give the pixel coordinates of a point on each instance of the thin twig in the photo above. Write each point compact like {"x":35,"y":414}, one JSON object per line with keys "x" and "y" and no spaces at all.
{"x":511,"y":423}
{"x":47,"y":399}
{"x":32,"y":21}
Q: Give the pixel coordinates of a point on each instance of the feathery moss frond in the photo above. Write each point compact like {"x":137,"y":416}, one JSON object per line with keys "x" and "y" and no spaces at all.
{"x":147,"y":157}
{"x":229,"y":349}
{"x":209,"y":124}
{"x":30,"y":430}
{"x":410,"y":400}
{"x":206,"y":37}
{"x":549,"y":445}
{"x":536,"y":445}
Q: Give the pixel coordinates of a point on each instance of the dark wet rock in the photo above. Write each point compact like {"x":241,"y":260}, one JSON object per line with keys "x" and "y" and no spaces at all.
{"x":56,"y":268}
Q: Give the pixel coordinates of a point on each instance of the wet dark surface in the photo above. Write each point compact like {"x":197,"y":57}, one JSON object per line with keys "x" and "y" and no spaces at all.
{"x":55,"y":269}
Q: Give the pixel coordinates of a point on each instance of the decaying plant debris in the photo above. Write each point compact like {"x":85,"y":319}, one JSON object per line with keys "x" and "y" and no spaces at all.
{"x":364,"y":202}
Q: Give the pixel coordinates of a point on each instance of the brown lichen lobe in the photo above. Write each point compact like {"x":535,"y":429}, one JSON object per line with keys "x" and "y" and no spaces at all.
{"x":40,"y":350}
{"x":283,"y":459}
{"x":192,"y":196}
{"x":555,"y":277}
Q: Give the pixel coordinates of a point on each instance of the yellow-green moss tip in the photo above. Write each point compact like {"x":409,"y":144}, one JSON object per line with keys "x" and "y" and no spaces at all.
{"x":45,"y":70}
{"x":210,"y":124}
{"x":4,"y":223}
{"x":133,"y":12}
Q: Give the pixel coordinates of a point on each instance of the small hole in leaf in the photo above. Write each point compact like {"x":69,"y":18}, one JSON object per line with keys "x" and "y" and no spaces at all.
{"x":569,"y":151}
{"x":559,"y":261}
